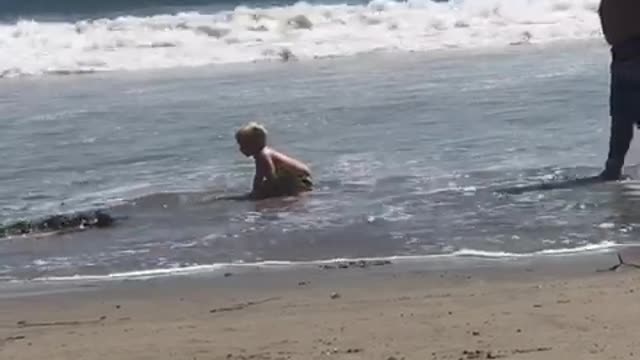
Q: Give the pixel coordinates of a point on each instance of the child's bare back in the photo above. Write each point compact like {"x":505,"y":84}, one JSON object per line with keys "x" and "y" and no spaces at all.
{"x":287,"y":163}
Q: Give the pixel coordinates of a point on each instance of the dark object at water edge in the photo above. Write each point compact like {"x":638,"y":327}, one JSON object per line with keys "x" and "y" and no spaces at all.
{"x":97,"y":219}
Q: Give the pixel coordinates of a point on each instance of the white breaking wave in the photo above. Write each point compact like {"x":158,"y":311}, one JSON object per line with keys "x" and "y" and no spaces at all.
{"x":300,"y":31}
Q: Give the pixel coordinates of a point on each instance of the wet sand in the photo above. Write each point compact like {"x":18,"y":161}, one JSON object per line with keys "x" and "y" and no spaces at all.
{"x":528,"y":309}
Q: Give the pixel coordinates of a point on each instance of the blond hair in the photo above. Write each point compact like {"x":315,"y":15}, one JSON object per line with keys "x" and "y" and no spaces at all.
{"x":254,"y":133}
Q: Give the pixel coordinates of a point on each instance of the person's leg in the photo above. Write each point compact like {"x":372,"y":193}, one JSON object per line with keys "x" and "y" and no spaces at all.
{"x":619,"y":142}
{"x":624,"y":106}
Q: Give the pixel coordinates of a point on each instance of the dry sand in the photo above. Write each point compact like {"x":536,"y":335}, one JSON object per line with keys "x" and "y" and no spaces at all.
{"x":531,"y":311}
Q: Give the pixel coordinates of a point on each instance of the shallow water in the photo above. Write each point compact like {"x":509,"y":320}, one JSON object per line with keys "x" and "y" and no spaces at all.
{"x":408,"y":153}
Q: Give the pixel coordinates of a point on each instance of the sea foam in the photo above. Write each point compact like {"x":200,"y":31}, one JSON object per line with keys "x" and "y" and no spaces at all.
{"x":301,"y":31}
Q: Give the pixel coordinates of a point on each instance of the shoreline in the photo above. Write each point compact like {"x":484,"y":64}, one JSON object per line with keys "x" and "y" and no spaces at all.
{"x":457,"y":261}
{"x":525,"y":309}
{"x":246,"y":275}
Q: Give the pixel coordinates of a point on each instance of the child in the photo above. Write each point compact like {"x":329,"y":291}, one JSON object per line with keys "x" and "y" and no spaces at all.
{"x":276,"y":173}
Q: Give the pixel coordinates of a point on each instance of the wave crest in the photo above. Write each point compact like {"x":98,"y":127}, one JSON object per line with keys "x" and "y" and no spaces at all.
{"x":300,"y":31}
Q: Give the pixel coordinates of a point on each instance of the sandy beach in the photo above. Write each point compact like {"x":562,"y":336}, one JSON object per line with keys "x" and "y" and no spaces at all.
{"x":538,"y":309}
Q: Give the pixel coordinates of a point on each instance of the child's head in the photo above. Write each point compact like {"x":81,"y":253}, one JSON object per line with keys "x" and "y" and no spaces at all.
{"x":251,"y":138}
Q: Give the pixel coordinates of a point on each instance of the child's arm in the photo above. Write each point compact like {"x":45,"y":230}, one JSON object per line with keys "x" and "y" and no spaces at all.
{"x":265,"y":172}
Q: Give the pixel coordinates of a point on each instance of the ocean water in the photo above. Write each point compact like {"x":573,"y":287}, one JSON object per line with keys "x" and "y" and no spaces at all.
{"x":413,"y":117}
{"x":226,"y":33}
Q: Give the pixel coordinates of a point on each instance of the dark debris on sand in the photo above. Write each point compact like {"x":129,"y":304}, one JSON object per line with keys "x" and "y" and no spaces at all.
{"x":491,"y":354}
{"x":362,"y":264}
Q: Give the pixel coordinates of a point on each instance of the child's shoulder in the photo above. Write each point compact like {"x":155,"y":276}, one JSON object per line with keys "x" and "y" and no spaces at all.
{"x":265,"y":154}
{"x":276,"y":154}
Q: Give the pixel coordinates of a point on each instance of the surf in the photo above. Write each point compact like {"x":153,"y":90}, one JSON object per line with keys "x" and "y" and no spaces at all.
{"x":301,"y":31}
